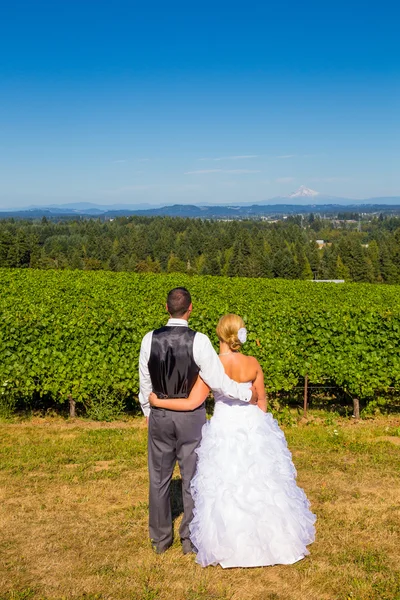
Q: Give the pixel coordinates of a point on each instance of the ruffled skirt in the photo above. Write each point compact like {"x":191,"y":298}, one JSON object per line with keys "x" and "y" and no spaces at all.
{"x":249,"y":511}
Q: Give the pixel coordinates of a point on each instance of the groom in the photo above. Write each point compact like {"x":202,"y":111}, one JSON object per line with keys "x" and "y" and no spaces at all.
{"x":171,"y":359}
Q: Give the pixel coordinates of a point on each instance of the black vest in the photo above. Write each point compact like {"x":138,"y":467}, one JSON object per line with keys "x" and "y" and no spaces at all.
{"x":172,"y":369}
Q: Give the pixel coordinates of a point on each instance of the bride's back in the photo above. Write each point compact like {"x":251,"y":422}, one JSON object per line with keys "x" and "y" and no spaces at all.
{"x":239,"y":367}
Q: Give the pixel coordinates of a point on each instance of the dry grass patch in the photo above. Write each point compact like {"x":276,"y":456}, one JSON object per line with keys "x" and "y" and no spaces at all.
{"x":73,"y":518}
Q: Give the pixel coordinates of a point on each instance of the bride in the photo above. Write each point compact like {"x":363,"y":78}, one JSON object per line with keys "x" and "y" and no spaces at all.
{"x":248,"y":512}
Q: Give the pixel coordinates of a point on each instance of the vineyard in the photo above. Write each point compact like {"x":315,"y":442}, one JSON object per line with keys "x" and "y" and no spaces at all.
{"x":75,"y":336}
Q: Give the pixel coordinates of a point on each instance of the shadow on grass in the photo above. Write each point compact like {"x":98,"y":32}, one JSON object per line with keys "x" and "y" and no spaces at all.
{"x":176,"y":498}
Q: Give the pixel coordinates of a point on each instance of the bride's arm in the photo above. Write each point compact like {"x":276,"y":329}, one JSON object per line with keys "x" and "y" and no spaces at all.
{"x":259,"y":385}
{"x":197,"y":396}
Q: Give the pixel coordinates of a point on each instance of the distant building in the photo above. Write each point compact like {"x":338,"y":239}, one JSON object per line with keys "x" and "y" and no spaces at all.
{"x":329,"y":280}
{"x":320,"y":243}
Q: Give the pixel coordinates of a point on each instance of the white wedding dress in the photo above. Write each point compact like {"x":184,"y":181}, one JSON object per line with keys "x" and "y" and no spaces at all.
{"x":249,"y":511}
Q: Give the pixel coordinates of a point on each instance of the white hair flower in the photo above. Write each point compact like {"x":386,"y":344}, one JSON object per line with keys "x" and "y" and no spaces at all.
{"x":242,"y":335}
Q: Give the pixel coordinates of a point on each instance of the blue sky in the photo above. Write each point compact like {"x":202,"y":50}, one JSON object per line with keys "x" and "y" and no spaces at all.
{"x":127,"y":102}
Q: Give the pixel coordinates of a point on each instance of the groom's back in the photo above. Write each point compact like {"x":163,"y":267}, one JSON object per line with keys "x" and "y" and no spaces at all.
{"x":172,"y":368}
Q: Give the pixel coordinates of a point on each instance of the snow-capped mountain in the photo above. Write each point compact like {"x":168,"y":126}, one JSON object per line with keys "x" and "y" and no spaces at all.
{"x":304,"y":192}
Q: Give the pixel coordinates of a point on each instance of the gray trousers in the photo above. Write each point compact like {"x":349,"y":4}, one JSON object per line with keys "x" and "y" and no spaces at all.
{"x":173,"y":436}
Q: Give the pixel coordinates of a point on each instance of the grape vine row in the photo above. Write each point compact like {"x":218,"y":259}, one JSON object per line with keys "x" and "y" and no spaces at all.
{"x":75,"y":334}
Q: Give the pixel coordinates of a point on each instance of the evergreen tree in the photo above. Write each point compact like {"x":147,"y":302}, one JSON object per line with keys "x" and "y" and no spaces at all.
{"x":6,"y":243}
{"x":342,"y":272}
{"x":284,"y":265}
{"x":237,"y":265}
{"x":303,"y":266}
{"x":355,"y":260}
{"x":253,"y":248}
{"x":388,"y":270}
{"x":199,"y":264}
{"x":373,"y":255}
{"x":76,"y":261}
{"x":19,"y":253}
{"x":313,"y":256}
{"x":113,"y":263}
{"x":267,"y":266}
{"x":175,"y":264}
{"x":212,"y":264}
{"x":148,"y":266}
{"x":240,"y":264}
{"x":396,"y":253}
{"x":328,"y":263}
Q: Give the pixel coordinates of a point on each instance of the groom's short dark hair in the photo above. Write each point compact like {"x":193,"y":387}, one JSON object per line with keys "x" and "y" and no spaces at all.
{"x":178,"y":302}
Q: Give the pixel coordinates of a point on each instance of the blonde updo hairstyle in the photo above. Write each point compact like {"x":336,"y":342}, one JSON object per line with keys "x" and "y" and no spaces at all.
{"x":227,"y":330}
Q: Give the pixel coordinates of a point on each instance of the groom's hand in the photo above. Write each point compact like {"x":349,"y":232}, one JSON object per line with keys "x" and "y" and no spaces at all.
{"x":254,"y":395}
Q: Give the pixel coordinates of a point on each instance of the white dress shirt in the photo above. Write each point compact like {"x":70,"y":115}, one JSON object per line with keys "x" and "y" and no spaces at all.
{"x":211,"y":368}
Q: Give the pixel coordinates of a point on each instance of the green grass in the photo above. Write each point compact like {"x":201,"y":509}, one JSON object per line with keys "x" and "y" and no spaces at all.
{"x":73,"y":517}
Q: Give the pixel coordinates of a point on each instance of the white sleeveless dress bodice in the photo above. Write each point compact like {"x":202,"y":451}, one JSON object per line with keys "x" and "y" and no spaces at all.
{"x":249,"y":511}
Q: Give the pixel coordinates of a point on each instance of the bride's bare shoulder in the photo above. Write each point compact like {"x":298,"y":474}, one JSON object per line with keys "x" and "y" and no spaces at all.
{"x":251,"y":366}
{"x":251,"y":360}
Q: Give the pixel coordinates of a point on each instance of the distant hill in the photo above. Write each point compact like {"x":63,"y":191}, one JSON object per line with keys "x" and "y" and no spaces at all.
{"x":275,"y":207}
{"x":254,"y":211}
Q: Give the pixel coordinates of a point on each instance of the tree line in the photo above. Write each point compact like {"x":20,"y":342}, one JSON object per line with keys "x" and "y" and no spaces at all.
{"x":285,"y":249}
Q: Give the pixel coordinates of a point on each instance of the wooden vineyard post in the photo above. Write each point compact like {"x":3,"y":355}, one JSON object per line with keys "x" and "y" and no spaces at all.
{"x":356,"y":408}
{"x":72,"y":407}
{"x":305,"y":395}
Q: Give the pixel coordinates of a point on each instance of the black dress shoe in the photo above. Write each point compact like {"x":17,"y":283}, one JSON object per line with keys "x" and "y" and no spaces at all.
{"x":159,"y":550}
{"x":187,"y":547}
